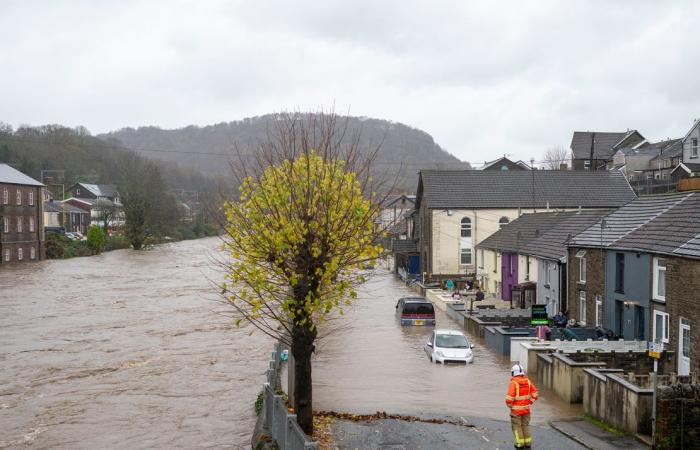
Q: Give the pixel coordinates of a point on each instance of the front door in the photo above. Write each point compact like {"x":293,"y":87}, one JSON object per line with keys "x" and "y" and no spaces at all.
{"x":684,"y":347}
{"x":509,"y":275}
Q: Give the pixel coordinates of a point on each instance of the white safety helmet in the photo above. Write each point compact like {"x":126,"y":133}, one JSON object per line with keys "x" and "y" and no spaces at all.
{"x":517,"y":370}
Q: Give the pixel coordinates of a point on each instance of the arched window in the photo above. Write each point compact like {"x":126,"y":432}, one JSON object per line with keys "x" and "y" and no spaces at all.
{"x":466,"y":227}
{"x":504,"y":167}
{"x":503,"y":221}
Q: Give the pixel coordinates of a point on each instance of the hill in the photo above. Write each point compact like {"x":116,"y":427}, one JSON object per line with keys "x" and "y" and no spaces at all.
{"x":404,"y":150}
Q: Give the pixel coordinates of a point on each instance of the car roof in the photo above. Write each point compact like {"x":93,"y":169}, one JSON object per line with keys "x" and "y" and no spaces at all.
{"x":415,"y":300}
{"x":454,"y":332}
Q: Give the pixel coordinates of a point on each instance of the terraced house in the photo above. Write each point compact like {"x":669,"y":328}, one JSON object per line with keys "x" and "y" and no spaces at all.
{"x":21,"y":217}
{"x":637,"y":272}
{"x":457,"y":210}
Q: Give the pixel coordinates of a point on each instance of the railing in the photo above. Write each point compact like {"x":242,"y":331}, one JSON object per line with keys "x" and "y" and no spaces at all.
{"x":283,"y":426}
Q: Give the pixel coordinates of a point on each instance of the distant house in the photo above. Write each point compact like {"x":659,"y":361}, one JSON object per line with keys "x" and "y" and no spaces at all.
{"x":95,"y":191}
{"x":505,"y":164}
{"x":605,"y":144}
{"x":393,"y":210}
{"x":63,"y":216}
{"x":456,"y":210}
{"x":633,"y":161}
{"x":637,"y":272}
{"x":670,"y":156}
{"x":690,"y":165}
{"x":102,"y":201}
{"x":21,"y":217}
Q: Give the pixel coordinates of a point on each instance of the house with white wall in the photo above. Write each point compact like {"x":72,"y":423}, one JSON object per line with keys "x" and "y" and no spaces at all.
{"x":456,"y":210}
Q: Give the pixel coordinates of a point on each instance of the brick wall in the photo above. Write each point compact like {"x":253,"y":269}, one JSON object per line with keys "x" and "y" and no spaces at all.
{"x":595,"y":283}
{"x":683,"y":300}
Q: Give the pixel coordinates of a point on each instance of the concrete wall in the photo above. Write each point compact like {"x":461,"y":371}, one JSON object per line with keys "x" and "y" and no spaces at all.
{"x":563,"y":375}
{"x":614,"y":400}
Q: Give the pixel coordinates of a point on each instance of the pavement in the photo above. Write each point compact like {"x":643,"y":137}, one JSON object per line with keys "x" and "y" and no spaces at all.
{"x":467,"y":433}
{"x":594,"y":437}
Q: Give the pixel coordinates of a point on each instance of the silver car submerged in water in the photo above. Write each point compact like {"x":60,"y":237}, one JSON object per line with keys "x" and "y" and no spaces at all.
{"x":447,"y":346}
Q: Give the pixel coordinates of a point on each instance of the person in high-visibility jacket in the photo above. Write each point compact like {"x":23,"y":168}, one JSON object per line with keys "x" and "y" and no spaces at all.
{"x":521,"y":394}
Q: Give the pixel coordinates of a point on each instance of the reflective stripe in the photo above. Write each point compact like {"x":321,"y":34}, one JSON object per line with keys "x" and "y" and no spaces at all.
{"x":523,"y":397}
{"x":508,"y":397}
{"x":521,"y":407}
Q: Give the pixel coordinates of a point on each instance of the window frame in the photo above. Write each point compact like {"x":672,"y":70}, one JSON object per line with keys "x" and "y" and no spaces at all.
{"x":30,"y":198}
{"x":598,"y":310}
{"x":665,"y":327}
{"x":694,"y":147}
{"x":465,"y":225}
{"x":6,"y":224}
{"x":32,"y":252}
{"x":659,"y":265}
{"x":5,"y":196}
{"x":582,"y":305}
{"x":620,"y":273}
{"x":586,"y":164}
{"x":31,"y":224}
{"x":581,"y":256}
{"x":20,"y":254}
{"x":19,"y":224}
{"x":8,"y":255}
{"x":18,"y":197}
{"x":547,"y":275}
{"x":462,"y":252}
{"x":501,"y":222}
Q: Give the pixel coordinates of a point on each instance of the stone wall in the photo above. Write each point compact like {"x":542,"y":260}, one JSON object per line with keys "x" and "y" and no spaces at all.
{"x":678,"y":416}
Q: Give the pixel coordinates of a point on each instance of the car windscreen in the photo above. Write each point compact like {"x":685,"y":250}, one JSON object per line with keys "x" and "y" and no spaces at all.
{"x":451,"y":341}
{"x":418,"y":308}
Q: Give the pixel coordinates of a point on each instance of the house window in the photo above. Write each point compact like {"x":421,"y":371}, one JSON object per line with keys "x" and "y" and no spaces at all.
{"x":466,"y":227}
{"x":31,"y":224}
{"x":659,"y":279}
{"x":582,"y":306}
{"x":527,"y":268}
{"x":31,"y":198}
{"x":466,"y":256}
{"x":502,"y":222}
{"x":5,"y":196}
{"x":7,"y":255}
{"x":598,"y":310}
{"x":19,"y":224}
{"x":77,"y":192}
{"x":620,"y":273}
{"x":32,"y":252}
{"x":694,"y":148}
{"x":581,"y":255}
{"x":19,"y":197}
{"x":661,"y":327}
{"x":547,"y":275}
{"x":495,"y":262}
{"x":481,"y":258}
{"x":587,"y":164}
{"x":20,"y":254}
{"x":6,"y":224}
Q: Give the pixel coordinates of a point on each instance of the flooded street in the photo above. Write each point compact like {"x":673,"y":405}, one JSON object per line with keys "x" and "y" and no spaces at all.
{"x":374,"y":364}
{"x":133,"y":350}
{"x":125,"y":350}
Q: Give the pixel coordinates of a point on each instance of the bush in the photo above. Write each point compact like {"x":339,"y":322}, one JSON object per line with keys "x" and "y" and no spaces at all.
{"x":95,"y":238}
{"x":116,"y":242}
{"x":55,"y":245}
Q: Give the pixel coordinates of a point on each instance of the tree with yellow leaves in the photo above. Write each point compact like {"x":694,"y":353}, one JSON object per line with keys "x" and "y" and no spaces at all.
{"x":299,"y":235}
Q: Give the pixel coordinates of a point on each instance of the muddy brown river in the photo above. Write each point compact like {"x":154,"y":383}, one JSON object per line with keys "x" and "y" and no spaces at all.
{"x":133,"y":350}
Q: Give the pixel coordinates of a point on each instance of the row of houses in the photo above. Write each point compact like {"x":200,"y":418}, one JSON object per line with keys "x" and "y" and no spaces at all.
{"x":635,"y":156}
{"x":27,"y":211}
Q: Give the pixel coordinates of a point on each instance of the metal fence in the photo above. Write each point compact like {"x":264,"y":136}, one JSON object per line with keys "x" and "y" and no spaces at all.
{"x":283,"y":426}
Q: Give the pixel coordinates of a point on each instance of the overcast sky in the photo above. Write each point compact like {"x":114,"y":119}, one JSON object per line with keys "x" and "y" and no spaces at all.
{"x":482,"y":78}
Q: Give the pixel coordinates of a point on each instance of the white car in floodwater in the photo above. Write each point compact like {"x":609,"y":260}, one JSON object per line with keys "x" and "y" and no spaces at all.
{"x":445,"y":346}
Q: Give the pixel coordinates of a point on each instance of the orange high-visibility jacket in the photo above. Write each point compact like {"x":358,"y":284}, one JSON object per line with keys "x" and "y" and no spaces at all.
{"x":521,"y":394}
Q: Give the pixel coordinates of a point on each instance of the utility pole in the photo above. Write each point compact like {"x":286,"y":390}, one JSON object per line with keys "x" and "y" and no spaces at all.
{"x":590,"y":167}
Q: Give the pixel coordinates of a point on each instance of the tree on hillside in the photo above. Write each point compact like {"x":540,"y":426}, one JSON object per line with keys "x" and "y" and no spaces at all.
{"x":554,"y":157}
{"x":298,"y":236}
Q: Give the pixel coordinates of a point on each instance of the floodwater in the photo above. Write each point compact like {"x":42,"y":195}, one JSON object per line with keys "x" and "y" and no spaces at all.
{"x":371,"y":363}
{"x":125,"y":350}
{"x":134,"y":350}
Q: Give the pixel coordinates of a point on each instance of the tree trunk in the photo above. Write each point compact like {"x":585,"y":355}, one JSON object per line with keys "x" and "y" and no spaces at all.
{"x":302,"y":348}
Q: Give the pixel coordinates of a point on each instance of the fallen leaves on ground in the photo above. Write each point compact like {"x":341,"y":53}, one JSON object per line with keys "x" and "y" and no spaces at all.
{"x":379,"y":415}
{"x":323,"y":434}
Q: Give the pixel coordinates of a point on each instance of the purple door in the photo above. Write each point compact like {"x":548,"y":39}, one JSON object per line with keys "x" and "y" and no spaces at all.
{"x":509,"y":274}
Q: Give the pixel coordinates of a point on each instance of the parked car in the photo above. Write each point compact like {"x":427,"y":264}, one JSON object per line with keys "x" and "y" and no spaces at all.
{"x":415,"y":311}
{"x":449,"y":346}
{"x":76,"y":236}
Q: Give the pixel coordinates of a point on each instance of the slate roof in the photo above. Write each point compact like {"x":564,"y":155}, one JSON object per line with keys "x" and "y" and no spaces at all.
{"x":665,"y":224}
{"x":62,"y":207}
{"x":101,"y":190}
{"x":404,"y":246}
{"x":10,"y":175}
{"x":688,"y":167}
{"x":603,"y":147}
{"x":391,"y":199}
{"x":629,"y":151}
{"x":444,"y":189}
{"x":552,"y":244}
{"x":514,"y":236}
